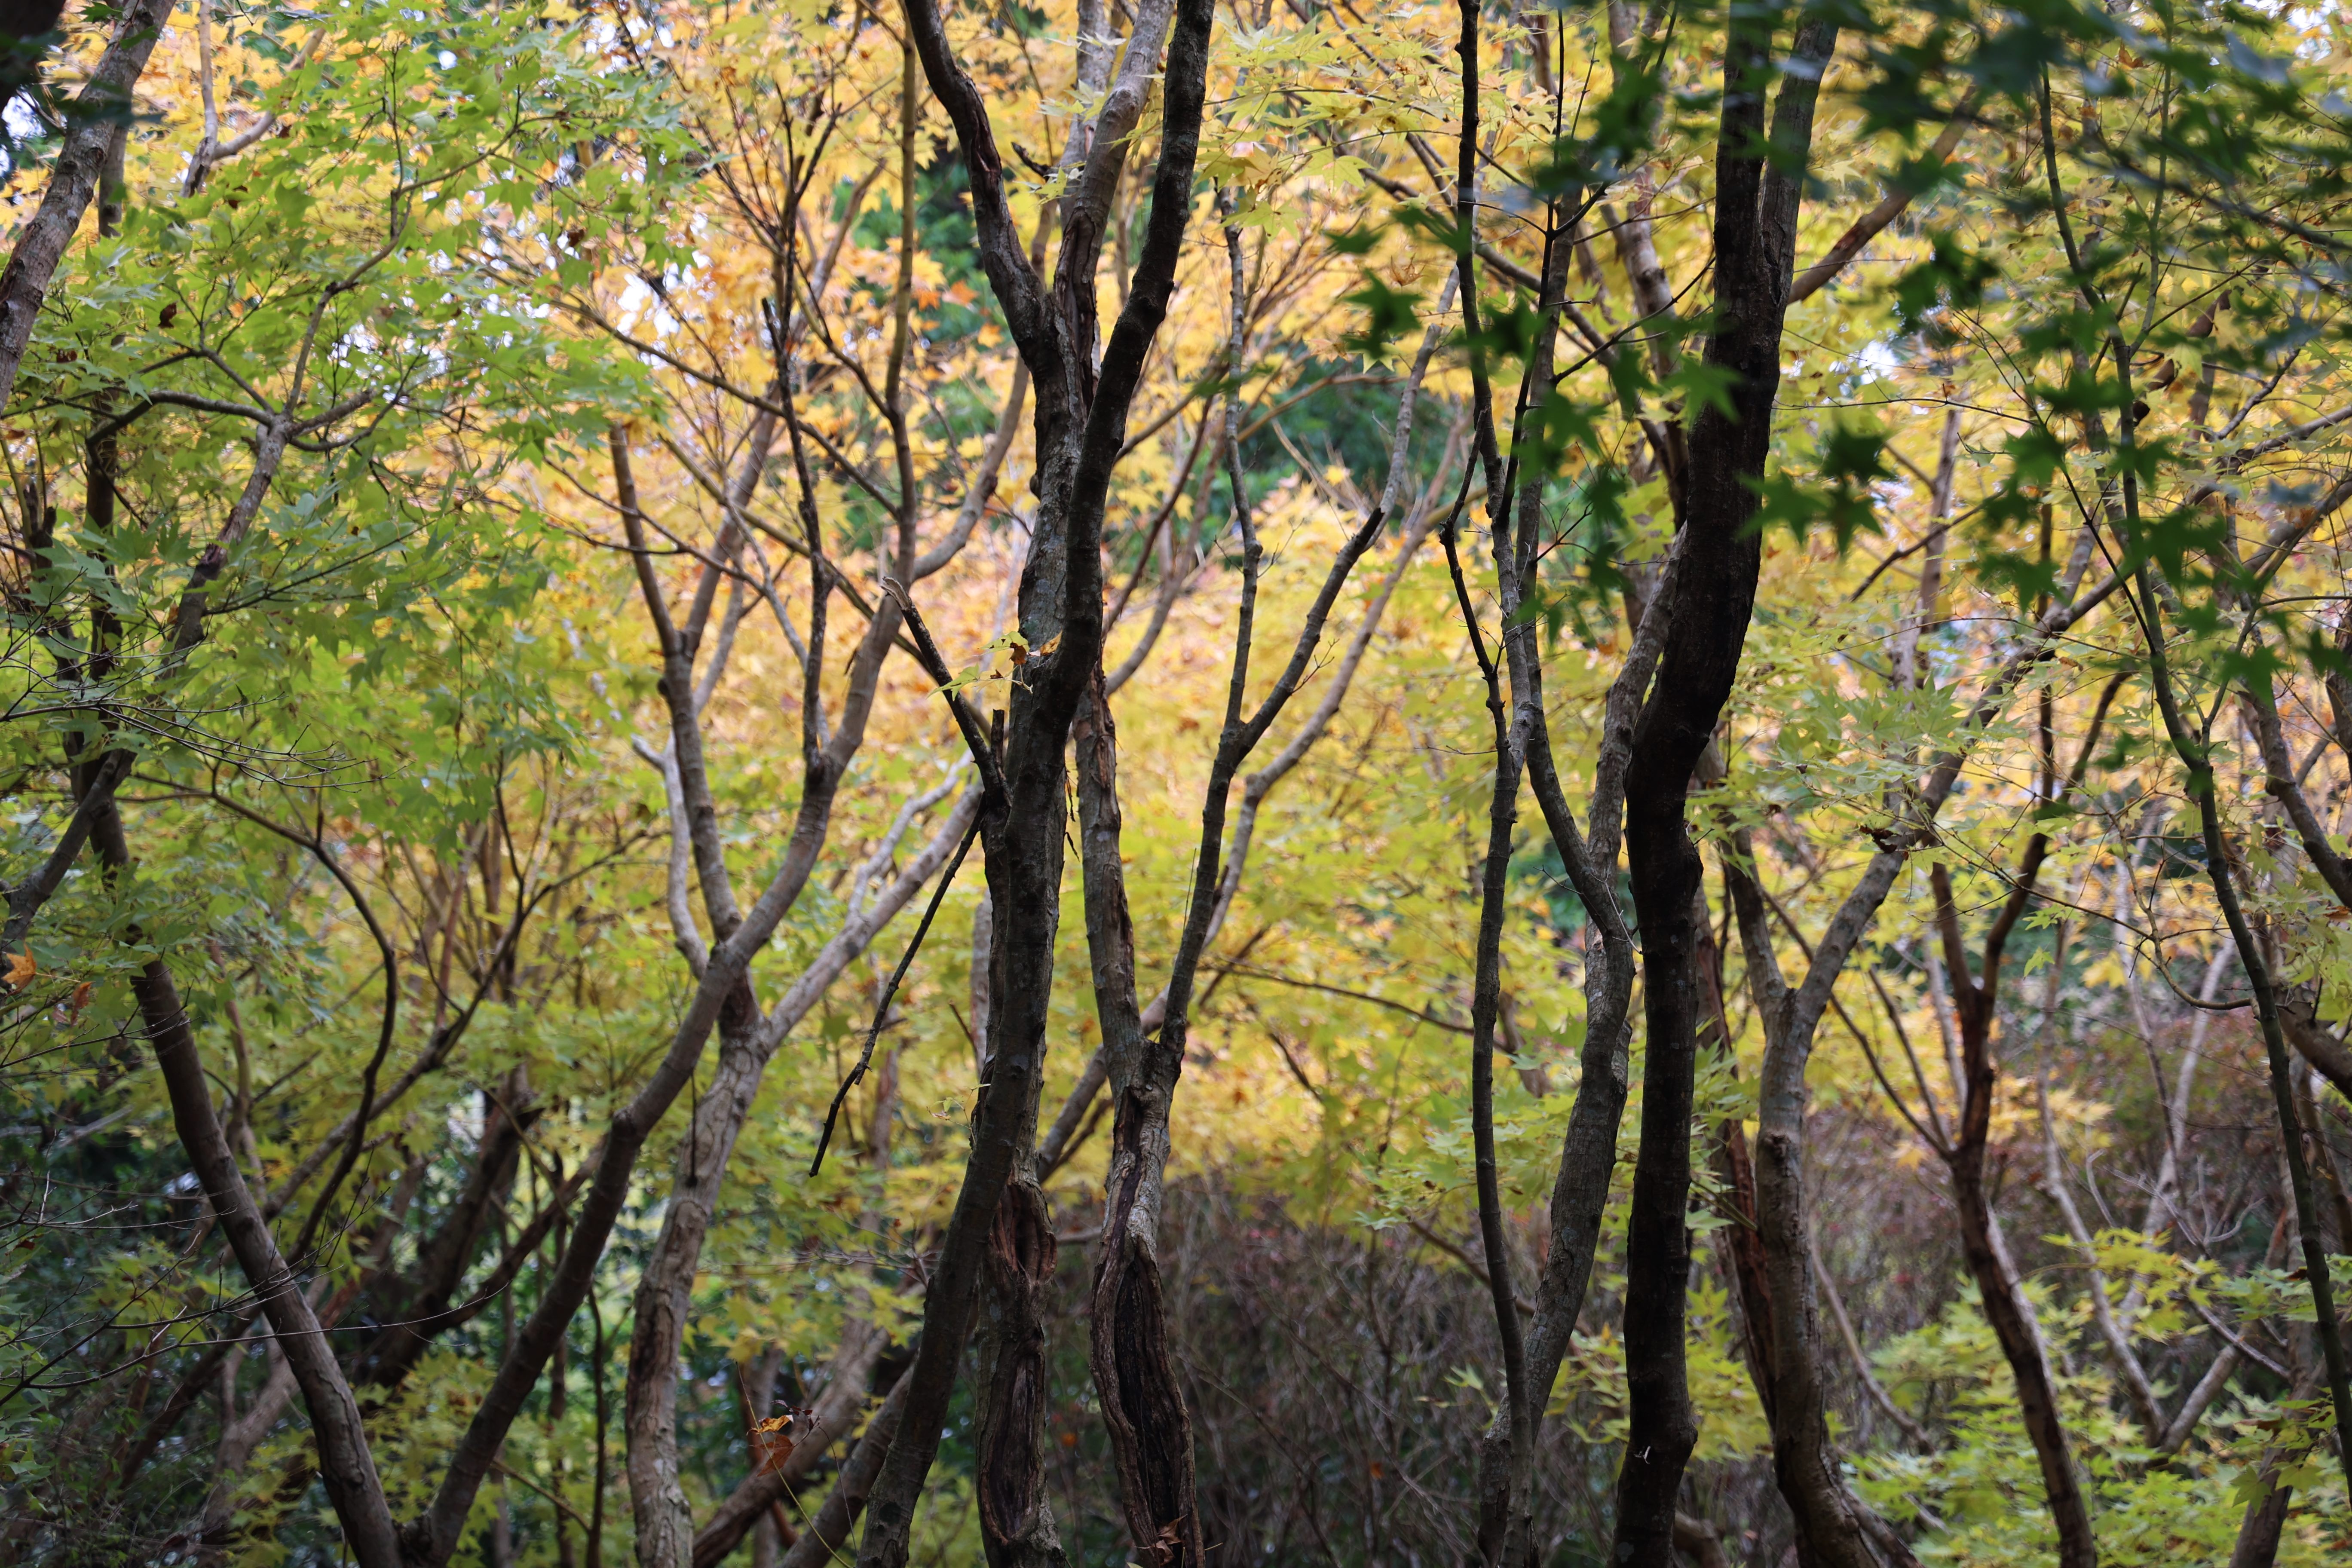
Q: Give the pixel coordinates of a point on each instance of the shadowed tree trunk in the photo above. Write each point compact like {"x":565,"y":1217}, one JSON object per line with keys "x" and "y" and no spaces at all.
{"x":2000,"y":1286}
{"x":1708,"y":597}
{"x":998,"y":1225}
{"x":412,"y":1307}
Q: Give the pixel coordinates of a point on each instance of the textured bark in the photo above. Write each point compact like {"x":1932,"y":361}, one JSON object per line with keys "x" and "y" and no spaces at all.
{"x":1106,"y":888}
{"x":1831,"y":1519}
{"x":2265,"y":1517}
{"x":664,"y":1298}
{"x":240,"y":1436}
{"x":1081,"y":427}
{"x":430,"y":1539}
{"x":346,"y":1467}
{"x":1500,"y":1534}
{"x":1833,"y":1525}
{"x":720,"y":1116}
{"x":1714,"y":590}
{"x":1745,"y":1266}
{"x":1700,"y":1542}
{"x":1016,"y":1519}
{"x":95,"y":121}
{"x":1143,"y":1407}
{"x":1589,"y":1148}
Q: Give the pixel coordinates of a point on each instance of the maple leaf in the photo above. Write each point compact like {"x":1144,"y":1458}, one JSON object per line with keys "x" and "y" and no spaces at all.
{"x":771,"y":1444}
{"x":21,"y":969}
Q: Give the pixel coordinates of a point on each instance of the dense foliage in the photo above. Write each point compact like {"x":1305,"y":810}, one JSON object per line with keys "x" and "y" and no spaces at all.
{"x":1176,"y":784}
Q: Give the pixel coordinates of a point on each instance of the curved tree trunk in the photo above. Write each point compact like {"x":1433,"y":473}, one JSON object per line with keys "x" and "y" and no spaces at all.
{"x":1712,"y":594}
{"x":1081,"y":427}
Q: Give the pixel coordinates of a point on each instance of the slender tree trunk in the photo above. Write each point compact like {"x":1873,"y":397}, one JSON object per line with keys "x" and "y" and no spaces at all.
{"x":1986,"y":1252}
{"x":345,"y":1466}
{"x":664,"y":1300}
{"x":1506,"y":1452}
{"x":1833,"y":1526}
{"x":95,"y":122}
{"x":1741,"y":1244}
{"x":1082,"y":411}
{"x":665,"y":1526}
{"x":1135,"y":1375}
{"x":1712,"y":594}
{"x":1501,"y":1490}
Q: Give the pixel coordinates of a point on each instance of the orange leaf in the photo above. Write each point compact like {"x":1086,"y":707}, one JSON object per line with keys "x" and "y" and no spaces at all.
{"x":21,"y":968}
{"x":771,"y":1444}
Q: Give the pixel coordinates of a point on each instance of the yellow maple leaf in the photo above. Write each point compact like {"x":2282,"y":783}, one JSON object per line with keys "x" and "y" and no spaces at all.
{"x":21,"y":969}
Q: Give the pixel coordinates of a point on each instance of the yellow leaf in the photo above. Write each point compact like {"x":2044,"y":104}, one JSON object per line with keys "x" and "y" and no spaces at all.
{"x":21,"y":968}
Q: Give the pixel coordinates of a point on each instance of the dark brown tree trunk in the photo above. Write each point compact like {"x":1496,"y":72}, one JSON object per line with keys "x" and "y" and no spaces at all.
{"x":1016,"y":1520}
{"x":345,"y":1465}
{"x":1081,"y":427}
{"x":1745,"y":1268}
{"x":1999,"y":1285}
{"x":1708,"y":598}
{"x":1135,"y":1375}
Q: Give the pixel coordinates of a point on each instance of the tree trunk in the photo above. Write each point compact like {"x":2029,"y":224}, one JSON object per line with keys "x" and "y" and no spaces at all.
{"x":1081,"y":427}
{"x":665,"y":1294}
{"x":1712,"y":593}
{"x":1986,"y":1252}
{"x":345,"y":1466}
{"x":1135,"y":1375}
{"x":95,"y":123}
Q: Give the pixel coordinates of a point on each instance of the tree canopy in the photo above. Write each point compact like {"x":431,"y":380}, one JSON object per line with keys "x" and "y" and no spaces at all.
{"x":1176,"y":784}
